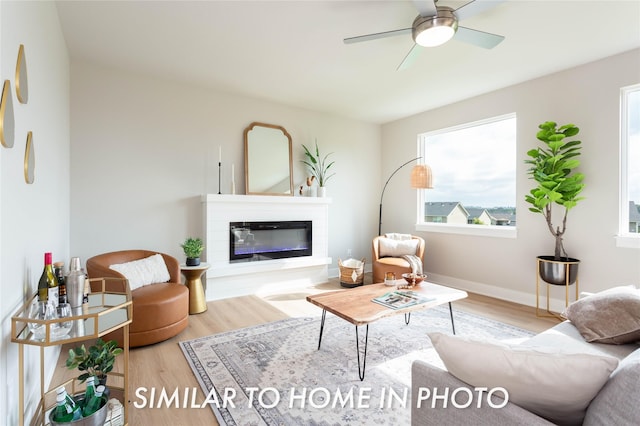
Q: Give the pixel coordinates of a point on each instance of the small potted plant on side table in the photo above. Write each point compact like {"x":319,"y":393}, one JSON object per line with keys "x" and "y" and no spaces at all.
{"x":193,"y":248}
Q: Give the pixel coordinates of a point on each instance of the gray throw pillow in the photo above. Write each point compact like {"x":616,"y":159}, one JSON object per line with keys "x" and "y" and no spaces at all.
{"x":617,"y":401}
{"x":612,"y":316}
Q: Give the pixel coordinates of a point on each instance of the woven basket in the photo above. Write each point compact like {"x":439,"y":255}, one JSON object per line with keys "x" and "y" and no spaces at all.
{"x":351,"y":272}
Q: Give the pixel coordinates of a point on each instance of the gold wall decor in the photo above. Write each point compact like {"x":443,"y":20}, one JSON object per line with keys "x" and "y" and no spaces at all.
{"x":29,"y":160}
{"x":7,"y":125}
{"x":22,"y":85}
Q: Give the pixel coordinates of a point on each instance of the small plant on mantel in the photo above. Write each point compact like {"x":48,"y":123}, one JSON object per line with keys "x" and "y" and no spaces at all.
{"x":193,"y":248}
{"x":318,"y":165}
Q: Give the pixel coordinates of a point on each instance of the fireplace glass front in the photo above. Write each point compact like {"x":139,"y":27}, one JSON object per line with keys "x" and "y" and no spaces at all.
{"x":255,"y":241}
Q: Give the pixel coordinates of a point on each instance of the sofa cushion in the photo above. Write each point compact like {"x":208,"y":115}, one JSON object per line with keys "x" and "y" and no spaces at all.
{"x":611,"y":316}
{"x":150,"y":270}
{"x":557,"y":386}
{"x":617,"y":402}
{"x":566,"y":336}
{"x":397,"y":248}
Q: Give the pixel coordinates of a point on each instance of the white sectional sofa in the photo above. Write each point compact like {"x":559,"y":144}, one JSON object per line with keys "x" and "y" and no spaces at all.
{"x":556,"y":377}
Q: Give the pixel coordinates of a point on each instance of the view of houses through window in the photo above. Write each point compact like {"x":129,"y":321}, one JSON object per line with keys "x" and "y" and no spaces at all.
{"x":631,"y":158}
{"x":474,"y":169}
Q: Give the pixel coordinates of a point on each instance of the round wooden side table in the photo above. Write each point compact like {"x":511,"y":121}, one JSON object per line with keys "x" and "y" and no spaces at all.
{"x":193,"y":274}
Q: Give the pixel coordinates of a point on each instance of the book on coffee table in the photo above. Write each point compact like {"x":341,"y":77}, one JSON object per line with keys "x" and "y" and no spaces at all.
{"x":401,"y":299}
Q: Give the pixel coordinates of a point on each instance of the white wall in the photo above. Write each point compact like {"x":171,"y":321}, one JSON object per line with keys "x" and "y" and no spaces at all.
{"x":34,"y":218}
{"x":588,"y":96}
{"x":145,"y":150}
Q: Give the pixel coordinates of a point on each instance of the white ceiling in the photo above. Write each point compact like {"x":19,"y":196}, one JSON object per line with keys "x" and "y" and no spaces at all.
{"x":291,"y":52}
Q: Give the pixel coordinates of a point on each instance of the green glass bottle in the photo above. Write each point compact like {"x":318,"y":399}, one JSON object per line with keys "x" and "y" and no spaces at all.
{"x":94,"y":403}
{"x":62,"y":390}
{"x":90,"y":391}
{"x":62,"y":412}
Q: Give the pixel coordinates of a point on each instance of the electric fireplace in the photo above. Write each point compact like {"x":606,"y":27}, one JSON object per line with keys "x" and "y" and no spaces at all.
{"x":256,"y":241}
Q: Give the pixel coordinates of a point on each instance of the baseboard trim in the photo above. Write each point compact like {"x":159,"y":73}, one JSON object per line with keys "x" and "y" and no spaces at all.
{"x":509,"y":295}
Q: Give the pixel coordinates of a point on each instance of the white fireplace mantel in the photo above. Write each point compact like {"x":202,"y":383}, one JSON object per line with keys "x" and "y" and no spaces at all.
{"x":225,"y":279}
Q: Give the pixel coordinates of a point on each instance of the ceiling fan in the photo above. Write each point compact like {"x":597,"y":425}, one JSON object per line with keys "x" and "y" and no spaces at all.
{"x":435,"y":25}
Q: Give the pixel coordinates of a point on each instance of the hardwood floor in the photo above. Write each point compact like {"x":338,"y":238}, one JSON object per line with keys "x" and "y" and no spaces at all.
{"x":164,"y":365}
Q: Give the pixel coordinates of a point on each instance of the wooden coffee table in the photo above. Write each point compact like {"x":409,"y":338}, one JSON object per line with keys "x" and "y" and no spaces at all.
{"x":356,"y":306}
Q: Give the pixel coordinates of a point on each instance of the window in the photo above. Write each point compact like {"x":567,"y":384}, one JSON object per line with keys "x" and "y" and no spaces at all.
{"x":629,"y":233}
{"x":474,"y":169}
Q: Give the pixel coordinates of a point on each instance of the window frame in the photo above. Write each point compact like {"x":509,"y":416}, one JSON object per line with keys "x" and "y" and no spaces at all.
{"x":498,"y":231}
{"x":624,"y":238}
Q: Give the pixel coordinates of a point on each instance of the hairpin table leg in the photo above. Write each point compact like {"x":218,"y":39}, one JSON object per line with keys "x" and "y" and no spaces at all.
{"x":324,"y":314}
{"x":453,"y":326}
{"x":364,"y":357}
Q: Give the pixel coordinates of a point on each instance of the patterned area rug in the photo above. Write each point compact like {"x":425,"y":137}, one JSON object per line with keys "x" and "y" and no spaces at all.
{"x":274,"y":374}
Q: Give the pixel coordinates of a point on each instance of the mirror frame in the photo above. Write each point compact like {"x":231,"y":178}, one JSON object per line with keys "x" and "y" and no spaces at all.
{"x":7,"y":123}
{"x":247,"y":165}
{"x":29,"y":160}
{"x":22,"y":85}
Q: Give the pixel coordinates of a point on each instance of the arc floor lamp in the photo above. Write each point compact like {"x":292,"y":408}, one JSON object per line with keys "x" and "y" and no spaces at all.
{"x":421,"y":178}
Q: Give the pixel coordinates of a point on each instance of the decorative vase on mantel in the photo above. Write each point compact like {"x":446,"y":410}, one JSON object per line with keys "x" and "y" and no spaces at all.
{"x":322,"y":191}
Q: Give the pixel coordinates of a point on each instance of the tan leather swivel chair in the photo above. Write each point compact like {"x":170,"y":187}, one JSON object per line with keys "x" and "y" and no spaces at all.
{"x":397,"y":265}
{"x":160,"y":311}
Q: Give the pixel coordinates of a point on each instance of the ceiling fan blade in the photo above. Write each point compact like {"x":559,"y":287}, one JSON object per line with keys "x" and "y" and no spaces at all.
{"x":478,"y":38}
{"x":376,"y":36}
{"x":426,"y":7}
{"x":410,"y":57}
{"x":475,"y":8}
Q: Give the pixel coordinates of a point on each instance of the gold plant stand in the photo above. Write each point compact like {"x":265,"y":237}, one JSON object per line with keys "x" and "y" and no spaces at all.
{"x":546,"y":312}
{"x":106,"y":312}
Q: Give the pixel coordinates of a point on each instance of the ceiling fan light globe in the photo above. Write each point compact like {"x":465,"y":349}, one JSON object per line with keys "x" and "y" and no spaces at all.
{"x":431,"y":31}
{"x":435,"y":36}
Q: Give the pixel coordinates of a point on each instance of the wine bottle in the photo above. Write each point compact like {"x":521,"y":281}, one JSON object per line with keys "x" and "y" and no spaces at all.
{"x":47,"y":285}
{"x":58,"y":269}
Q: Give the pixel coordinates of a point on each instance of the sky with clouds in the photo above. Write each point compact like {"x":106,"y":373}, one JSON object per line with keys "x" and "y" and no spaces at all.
{"x":475,"y":165}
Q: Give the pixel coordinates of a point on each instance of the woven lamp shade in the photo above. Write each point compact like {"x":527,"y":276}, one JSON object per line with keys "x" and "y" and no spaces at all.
{"x":421,"y":177}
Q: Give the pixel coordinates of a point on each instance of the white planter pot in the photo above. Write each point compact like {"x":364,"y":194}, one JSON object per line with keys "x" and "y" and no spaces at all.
{"x":322,"y":191}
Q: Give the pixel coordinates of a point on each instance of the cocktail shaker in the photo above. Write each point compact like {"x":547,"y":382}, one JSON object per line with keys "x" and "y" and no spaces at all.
{"x":75,"y":283}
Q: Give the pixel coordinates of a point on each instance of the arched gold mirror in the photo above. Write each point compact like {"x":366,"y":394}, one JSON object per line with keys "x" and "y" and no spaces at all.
{"x":268,"y":165}
{"x":29,"y":160}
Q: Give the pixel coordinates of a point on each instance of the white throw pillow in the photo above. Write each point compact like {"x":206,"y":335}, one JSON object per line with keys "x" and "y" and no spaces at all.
{"x":397,"y":248}
{"x":557,"y":386}
{"x":149,"y":270}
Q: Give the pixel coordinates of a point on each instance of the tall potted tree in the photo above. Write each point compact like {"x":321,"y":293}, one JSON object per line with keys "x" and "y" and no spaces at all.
{"x":553,"y":168}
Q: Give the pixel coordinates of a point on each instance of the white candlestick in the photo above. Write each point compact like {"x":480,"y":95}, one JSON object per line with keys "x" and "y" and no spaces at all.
{"x":233,"y":174}
{"x":220,"y":154}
